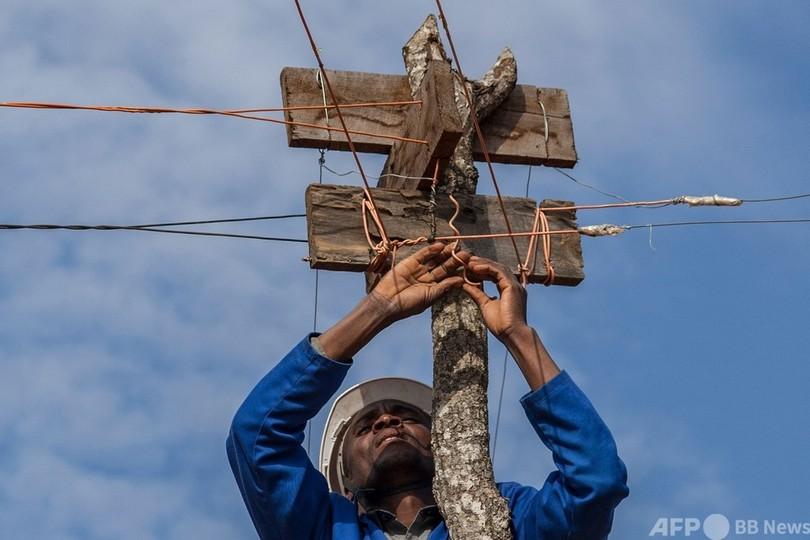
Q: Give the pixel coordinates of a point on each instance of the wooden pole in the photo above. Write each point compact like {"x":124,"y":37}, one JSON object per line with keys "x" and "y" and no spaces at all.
{"x":464,"y":484}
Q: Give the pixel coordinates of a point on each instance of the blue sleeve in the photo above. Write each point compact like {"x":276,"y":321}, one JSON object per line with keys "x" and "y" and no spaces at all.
{"x":284,"y":494}
{"x":578,"y":499}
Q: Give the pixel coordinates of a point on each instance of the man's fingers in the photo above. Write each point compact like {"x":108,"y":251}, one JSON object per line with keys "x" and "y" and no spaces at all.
{"x":445,"y":264}
{"x":490,"y":263}
{"x":427,"y":253}
{"x":492,"y":271}
{"x":477,"y":294}
{"x":444,"y":286}
{"x":420,"y":262}
{"x":465,"y":256}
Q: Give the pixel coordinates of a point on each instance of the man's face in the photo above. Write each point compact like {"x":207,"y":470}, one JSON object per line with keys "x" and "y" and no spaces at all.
{"x":388,"y":444}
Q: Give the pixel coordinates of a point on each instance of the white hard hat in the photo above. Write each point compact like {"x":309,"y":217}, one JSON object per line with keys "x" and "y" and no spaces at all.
{"x":354,"y":400}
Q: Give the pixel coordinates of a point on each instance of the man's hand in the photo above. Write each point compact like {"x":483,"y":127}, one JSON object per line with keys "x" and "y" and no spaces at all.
{"x":407,"y":289}
{"x":418,"y":281}
{"x":504,"y":315}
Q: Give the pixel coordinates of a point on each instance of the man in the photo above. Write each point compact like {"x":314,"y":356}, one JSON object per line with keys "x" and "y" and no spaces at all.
{"x":376,"y":451}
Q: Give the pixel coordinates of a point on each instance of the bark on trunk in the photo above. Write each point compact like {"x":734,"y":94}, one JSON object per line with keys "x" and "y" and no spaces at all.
{"x":464,"y":485}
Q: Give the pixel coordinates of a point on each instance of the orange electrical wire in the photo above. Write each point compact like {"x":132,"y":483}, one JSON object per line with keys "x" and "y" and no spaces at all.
{"x":385,"y":245}
{"x":452,"y":238}
{"x":457,"y":238}
{"x":550,"y":274}
{"x":531,"y":252}
{"x":237,"y":113}
{"x":138,"y":109}
{"x":474,"y":119}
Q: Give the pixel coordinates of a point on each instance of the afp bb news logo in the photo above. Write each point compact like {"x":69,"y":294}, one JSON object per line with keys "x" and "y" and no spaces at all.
{"x":719,"y":527}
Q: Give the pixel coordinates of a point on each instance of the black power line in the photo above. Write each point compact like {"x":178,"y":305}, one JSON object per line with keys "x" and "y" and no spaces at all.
{"x":160,"y":227}
{"x":774,"y":199}
{"x":725,"y":222}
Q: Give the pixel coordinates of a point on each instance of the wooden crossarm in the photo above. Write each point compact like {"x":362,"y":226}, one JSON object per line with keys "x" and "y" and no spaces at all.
{"x":515,"y":132}
{"x":436,"y":121}
{"x":337,"y":240}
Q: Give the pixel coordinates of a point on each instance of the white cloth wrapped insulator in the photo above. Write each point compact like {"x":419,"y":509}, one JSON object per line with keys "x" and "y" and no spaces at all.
{"x":708,"y":200}
{"x":605,"y":229}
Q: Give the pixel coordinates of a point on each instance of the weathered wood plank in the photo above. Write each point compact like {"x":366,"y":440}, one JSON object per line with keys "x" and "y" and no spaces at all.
{"x":337,"y":240}
{"x":437,"y":121}
{"x":514,"y":132}
{"x":517,"y":129}
{"x":299,"y":86}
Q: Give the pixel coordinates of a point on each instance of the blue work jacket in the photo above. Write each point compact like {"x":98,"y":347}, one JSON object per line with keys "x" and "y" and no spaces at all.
{"x":288,"y":499}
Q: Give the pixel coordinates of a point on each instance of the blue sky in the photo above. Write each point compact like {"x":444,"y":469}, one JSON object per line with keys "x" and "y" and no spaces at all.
{"x":123,"y":356}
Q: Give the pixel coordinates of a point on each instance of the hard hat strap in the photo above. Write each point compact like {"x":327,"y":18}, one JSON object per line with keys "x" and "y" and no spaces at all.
{"x":379,"y":493}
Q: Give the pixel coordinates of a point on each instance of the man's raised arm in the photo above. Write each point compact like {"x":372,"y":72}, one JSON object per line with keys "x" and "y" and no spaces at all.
{"x":287,"y":498}
{"x":578,"y":499}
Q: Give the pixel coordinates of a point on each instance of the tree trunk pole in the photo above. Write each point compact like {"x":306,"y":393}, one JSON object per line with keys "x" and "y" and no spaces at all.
{"x":464,"y":484}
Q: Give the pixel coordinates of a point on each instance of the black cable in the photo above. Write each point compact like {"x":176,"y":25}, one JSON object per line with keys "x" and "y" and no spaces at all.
{"x":145,"y":225}
{"x":141,"y":228}
{"x":728,"y":222}
{"x":229,"y":220}
{"x":773,"y":199}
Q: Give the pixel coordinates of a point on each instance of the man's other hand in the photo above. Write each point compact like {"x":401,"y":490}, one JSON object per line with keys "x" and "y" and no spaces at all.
{"x":504,"y":315}
{"x":419,"y":280}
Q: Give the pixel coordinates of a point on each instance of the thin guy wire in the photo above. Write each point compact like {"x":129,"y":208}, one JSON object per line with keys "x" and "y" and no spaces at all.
{"x":500,"y":403}
{"x":773,"y":199}
{"x":321,"y":163}
{"x":717,"y":222}
{"x":505,"y":361}
{"x":574,"y":179}
{"x":606,"y":193}
{"x":594,"y":188}
{"x":347,"y":173}
{"x":474,"y":119}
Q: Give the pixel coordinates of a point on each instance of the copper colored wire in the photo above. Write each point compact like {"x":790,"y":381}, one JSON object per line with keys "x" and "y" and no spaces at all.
{"x":539,"y":228}
{"x":385,"y":245}
{"x":505,"y":235}
{"x":550,"y":274}
{"x":136,"y":109}
{"x":452,"y":225}
{"x":474,"y":119}
{"x":236,"y":113}
{"x":382,"y":248}
{"x":531,"y":252}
